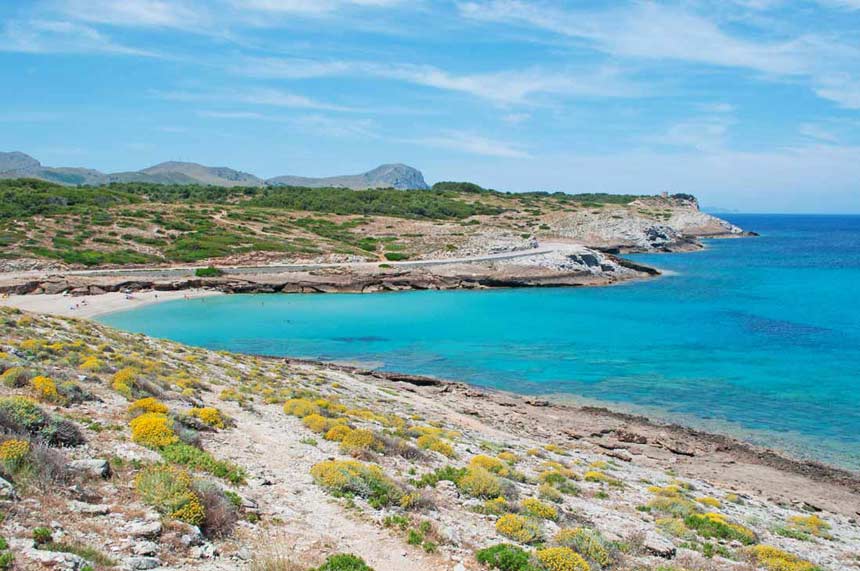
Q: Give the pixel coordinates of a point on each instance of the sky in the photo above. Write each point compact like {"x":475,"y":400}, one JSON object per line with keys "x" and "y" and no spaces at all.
{"x":752,"y":105}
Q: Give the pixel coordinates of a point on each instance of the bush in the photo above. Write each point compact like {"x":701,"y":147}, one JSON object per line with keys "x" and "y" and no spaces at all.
{"x":208,"y":272}
{"x":15,"y":377}
{"x":538,"y":509}
{"x":344,"y":562}
{"x":221,"y":512}
{"x":13,"y":454}
{"x":353,"y":478}
{"x":561,"y":559}
{"x":505,"y":557}
{"x":168,"y":489}
{"x":811,"y":524}
{"x":434,"y":443}
{"x":197,"y":459}
{"x":716,"y":525}
{"x":153,"y":430}
{"x":300,"y":407}
{"x":357,"y":441}
{"x":21,"y":415}
{"x":45,"y":389}
{"x":601,"y":478}
{"x":210,"y":416}
{"x":449,"y":473}
{"x":148,"y":404}
{"x":774,"y":559}
{"x":518,"y":528}
{"x":42,"y":535}
{"x":123,"y":381}
{"x":480,"y":483}
{"x":337,"y":432}
{"x":588,"y":543}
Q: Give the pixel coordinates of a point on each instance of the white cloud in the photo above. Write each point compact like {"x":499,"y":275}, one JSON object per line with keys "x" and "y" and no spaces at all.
{"x":503,"y":87}
{"x":818,"y":132}
{"x":136,"y":13}
{"x":702,"y":134}
{"x":471,"y":143}
{"x":309,"y":7}
{"x":53,"y":36}
{"x":231,"y":114}
{"x":653,"y":31}
{"x":257,"y":96}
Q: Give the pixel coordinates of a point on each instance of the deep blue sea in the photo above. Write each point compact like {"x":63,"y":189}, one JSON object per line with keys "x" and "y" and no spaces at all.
{"x":759,"y":337}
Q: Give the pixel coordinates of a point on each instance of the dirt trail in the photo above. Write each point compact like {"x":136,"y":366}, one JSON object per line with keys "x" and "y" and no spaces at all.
{"x":279,"y":465}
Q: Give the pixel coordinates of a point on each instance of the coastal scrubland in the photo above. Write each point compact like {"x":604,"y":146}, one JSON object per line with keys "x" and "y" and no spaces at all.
{"x":137,"y":224}
{"x":123,"y":451}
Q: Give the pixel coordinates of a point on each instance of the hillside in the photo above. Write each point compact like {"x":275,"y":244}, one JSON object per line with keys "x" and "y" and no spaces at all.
{"x":19,"y":165}
{"x":121,"y":451}
{"x":45,"y":225}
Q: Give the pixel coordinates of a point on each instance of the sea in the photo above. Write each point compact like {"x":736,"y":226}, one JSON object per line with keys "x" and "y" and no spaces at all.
{"x":757,"y":338}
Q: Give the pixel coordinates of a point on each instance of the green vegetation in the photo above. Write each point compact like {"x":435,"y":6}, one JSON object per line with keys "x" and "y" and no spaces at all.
{"x":505,"y":557}
{"x":208,"y":272}
{"x":344,"y":562}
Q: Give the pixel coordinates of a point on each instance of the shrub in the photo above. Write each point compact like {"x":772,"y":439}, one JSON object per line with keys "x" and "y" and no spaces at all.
{"x":496,"y":506}
{"x":601,"y":478}
{"x":489,"y":463}
{"x":208,"y":272}
{"x":449,"y":473}
{"x":316,"y":423}
{"x":434,"y":443}
{"x":209,"y":415}
{"x":23,"y":416}
{"x":221,"y":511}
{"x":547,"y":492}
{"x":45,"y":388}
{"x":716,"y":525}
{"x":811,"y":524}
{"x":357,"y":441}
{"x":337,"y":432}
{"x":13,"y":453}
{"x":197,"y":459}
{"x":709,"y":501}
{"x":91,"y":363}
{"x":344,"y":562}
{"x":42,"y":535}
{"x":518,"y":528}
{"x":300,"y":407}
{"x":508,"y":457}
{"x":353,"y":478}
{"x":561,"y":559}
{"x":479,"y":483}
{"x":774,"y":559}
{"x":538,"y":509}
{"x":148,"y":404}
{"x":15,"y":377}
{"x":588,"y":543}
{"x":123,"y":381}
{"x":505,"y":557}
{"x":168,"y":489}
{"x":152,"y":430}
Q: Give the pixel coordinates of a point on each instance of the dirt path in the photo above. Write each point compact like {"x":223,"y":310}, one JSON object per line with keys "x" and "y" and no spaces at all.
{"x":279,"y":464}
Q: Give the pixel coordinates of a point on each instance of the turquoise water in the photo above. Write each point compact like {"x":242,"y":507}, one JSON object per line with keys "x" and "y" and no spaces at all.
{"x":756,"y":337}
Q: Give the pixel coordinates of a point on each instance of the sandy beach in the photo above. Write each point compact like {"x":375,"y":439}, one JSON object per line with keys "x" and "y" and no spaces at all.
{"x":89,"y":306}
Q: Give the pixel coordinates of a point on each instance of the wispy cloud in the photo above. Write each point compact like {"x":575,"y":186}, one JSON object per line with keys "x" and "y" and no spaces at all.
{"x":135,"y":13}
{"x":310,"y":7}
{"x":501,"y":87}
{"x":256,"y":96}
{"x":654,"y":31}
{"x":471,"y":143}
{"x":818,"y":132}
{"x":54,"y":36}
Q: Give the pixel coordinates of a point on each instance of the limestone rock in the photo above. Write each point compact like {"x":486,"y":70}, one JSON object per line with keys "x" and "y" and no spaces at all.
{"x":92,"y":467}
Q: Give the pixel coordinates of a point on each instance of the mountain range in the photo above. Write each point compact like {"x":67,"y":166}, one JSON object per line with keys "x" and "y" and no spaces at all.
{"x":20,"y":165}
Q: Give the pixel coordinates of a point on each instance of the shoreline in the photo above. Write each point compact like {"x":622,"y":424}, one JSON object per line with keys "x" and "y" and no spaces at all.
{"x":615,"y":431}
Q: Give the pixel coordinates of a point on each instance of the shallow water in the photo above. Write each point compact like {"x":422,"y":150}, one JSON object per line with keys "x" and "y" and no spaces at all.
{"x":757,"y":337}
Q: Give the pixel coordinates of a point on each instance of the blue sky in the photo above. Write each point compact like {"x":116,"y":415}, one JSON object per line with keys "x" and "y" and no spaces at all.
{"x":749,"y":104}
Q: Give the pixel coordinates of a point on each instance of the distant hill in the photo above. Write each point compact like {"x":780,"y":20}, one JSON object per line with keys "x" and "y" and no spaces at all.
{"x":385,"y":176}
{"x":20,"y":165}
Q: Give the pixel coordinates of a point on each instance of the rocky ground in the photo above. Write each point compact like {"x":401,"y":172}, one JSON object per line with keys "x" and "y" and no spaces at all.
{"x":121,"y":451}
